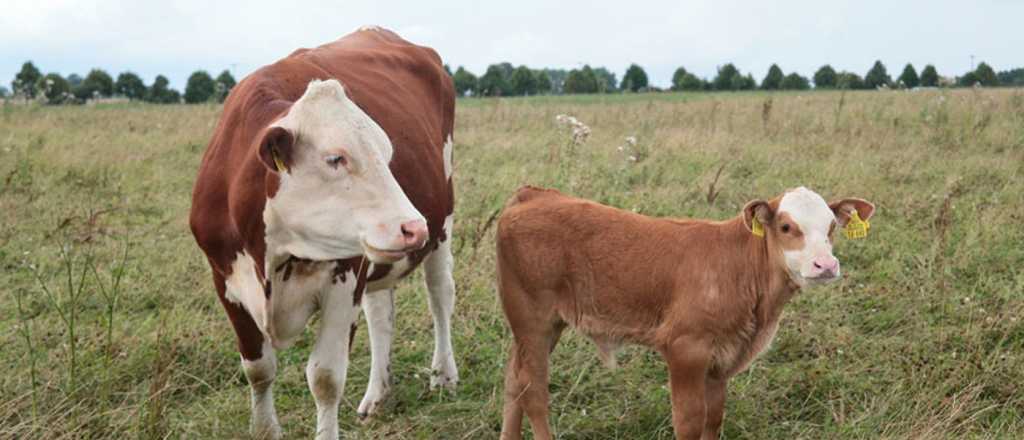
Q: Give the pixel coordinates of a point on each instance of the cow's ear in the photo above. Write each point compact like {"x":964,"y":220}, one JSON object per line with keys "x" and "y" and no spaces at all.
{"x":277,"y":147}
{"x":844,"y":209}
{"x":757,"y":212}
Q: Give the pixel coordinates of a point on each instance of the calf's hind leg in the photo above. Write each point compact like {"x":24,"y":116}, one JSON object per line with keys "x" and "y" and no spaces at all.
{"x":526,"y":380}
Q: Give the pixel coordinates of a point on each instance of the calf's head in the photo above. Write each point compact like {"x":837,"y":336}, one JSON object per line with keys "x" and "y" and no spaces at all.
{"x":799,"y":226}
{"x":337,"y":197}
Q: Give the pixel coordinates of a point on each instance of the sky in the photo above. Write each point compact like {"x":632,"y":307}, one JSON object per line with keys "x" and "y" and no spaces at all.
{"x":175,"y":38}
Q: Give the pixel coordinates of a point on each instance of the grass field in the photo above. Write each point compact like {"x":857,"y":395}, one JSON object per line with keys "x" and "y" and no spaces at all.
{"x":923,"y":338}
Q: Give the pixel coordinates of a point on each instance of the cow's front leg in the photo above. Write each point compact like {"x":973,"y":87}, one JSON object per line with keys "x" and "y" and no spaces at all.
{"x":328,"y":363}
{"x":441,"y":293}
{"x":379,"y":308}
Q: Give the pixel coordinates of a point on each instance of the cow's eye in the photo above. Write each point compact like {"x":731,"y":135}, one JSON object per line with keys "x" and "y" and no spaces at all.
{"x":334,"y":161}
{"x":785,"y":228}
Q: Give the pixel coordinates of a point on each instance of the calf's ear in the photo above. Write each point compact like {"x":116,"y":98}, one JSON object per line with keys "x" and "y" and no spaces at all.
{"x":757,"y":209}
{"x":277,"y":145}
{"x":844,"y":209}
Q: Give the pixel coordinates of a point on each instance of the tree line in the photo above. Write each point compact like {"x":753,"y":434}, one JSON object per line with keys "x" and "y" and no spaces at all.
{"x":504,"y":79}
{"x":52,"y":88}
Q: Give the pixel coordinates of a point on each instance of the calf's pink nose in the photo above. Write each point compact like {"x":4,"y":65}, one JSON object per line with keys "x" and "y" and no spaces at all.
{"x":414,"y":234}
{"x":826,"y":264}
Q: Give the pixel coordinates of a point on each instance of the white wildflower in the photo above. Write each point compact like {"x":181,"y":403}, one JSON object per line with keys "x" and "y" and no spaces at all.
{"x":580,"y":131}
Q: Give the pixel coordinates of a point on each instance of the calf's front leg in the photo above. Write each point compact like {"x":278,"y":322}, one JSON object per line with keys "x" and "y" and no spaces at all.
{"x":688,"y":361}
{"x":714,"y":394}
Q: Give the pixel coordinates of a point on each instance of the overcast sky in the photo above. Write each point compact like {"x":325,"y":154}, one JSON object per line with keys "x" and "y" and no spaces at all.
{"x":174,"y":37}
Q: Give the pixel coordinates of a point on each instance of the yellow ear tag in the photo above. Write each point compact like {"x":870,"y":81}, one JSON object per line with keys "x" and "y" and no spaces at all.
{"x":756,"y":227}
{"x":277,"y":161}
{"x":856,"y":228}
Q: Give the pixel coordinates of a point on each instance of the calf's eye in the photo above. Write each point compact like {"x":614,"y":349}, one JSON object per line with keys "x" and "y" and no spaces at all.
{"x":785,"y":228}
{"x":334,"y":161}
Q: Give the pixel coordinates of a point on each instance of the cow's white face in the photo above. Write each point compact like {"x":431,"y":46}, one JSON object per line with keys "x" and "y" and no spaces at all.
{"x":337,"y":197}
{"x":802,"y":227}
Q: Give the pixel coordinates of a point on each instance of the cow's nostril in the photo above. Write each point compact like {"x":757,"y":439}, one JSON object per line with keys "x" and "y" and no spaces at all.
{"x":816,"y":265}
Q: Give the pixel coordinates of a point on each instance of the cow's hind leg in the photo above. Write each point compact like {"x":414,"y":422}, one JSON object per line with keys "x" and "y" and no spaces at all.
{"x":328,"y":363}
{"x":441,"y":292}
{"x":379,"y":308}
{"x":259,"y":362}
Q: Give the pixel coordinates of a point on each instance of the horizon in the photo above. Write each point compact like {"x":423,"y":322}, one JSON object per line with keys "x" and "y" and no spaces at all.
{"x":63,"y":37}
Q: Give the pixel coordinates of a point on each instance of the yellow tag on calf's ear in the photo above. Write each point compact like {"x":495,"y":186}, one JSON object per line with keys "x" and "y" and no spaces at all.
{"x":277,"y":162}
{"x":756,"y":227}
{"x":856,"y":228}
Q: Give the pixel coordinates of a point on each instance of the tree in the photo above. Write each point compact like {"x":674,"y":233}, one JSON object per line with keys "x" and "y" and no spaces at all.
{"x":634,"y":79}
{"x":54,"y":88}
{"x":877,"y":76}
{"x":523,"y":82}
{"x":581,"y":81}
{"x":495,"y":81}
{"x":825,"y":77}
{"x":794,"y":81}
{"x":225,"y":82}
{"x":606,"y":82}
{"x":677,"y":78}
{"x":448,"y":69}
{"x":969,"y":79}
{"x":98,"y":81}
{"x":740,"y":82}
{"x":130,"y":86}
{"x":557,"y":77}
{"x":4,"y":92}
{"x":724,"y":79}
{"x":1012,"y":77}
{"x":909,"y":77}
{"x":849,"y":81}
{"x":200,"y":87}
{"x":25,"y":80}
{"x":986,"y":76}
{"x":929,"y":77}
{"x":465,"y":81}
{"x":683,"y":80}
{"x":544,"y":85}
{"x":75,"y":80}
{"x":161,"y":93}
{"x":773,"y":80}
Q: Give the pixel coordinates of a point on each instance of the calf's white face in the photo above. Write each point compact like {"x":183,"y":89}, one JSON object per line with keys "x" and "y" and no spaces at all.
{"x":337,"y":197}
{"x":804,"y":214}
{"x":802,"y":227}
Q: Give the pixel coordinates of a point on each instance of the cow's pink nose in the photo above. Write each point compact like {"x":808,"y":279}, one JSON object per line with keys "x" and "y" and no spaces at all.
{"x":826,"y":264}
{"x":414,"y":234}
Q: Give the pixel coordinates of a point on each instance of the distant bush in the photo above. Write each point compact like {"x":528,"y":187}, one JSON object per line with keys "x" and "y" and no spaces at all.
{"x":225,"y":82}
{"x":55,"y":89}
{"x":130,"y":86}
{"x":773,"y":80}
{"x":200,"y":87}
{"x":825,"y":78}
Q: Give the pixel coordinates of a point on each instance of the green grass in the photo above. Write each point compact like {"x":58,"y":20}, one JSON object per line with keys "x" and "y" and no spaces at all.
{"x":923,"y":338}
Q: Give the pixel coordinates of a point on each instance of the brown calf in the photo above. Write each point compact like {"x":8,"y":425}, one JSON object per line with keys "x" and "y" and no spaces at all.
{"x":707,"y":295}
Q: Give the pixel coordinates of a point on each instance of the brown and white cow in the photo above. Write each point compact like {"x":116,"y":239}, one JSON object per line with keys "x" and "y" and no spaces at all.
{"x":707,"y":295}
{"x":328,"y":175}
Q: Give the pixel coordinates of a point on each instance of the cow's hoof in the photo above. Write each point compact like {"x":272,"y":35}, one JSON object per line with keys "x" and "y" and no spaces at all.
{"x":267,"y":432}
{"x":444,"y":381}
{"x":370,"y":405}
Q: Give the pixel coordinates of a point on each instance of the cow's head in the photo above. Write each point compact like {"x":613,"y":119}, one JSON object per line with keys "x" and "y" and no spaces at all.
{"x":337,"y":197}
{"x":800,"y":226}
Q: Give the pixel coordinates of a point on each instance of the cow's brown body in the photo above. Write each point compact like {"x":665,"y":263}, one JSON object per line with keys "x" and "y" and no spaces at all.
{"x":404,"y":90}
{"x":706,"y":295}
{"x":403,"y":87}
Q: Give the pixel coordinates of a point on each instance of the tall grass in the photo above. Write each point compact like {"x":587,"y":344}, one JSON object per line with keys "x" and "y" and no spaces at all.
{"x":923,"y":338}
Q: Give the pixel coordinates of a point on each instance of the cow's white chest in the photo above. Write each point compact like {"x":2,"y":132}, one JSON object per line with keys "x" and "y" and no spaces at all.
{"x":244,"y":287}
{"x":296,"y":291}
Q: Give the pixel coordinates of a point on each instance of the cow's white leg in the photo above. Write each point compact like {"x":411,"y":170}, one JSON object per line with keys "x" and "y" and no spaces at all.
{"x":441,"y":295}
{"x":261,"y":373}
{"x":379,"y":308}
{"x":328,"y":363}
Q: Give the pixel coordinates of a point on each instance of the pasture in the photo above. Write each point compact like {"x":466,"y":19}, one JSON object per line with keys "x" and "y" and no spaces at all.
{"x":110,"y":327}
